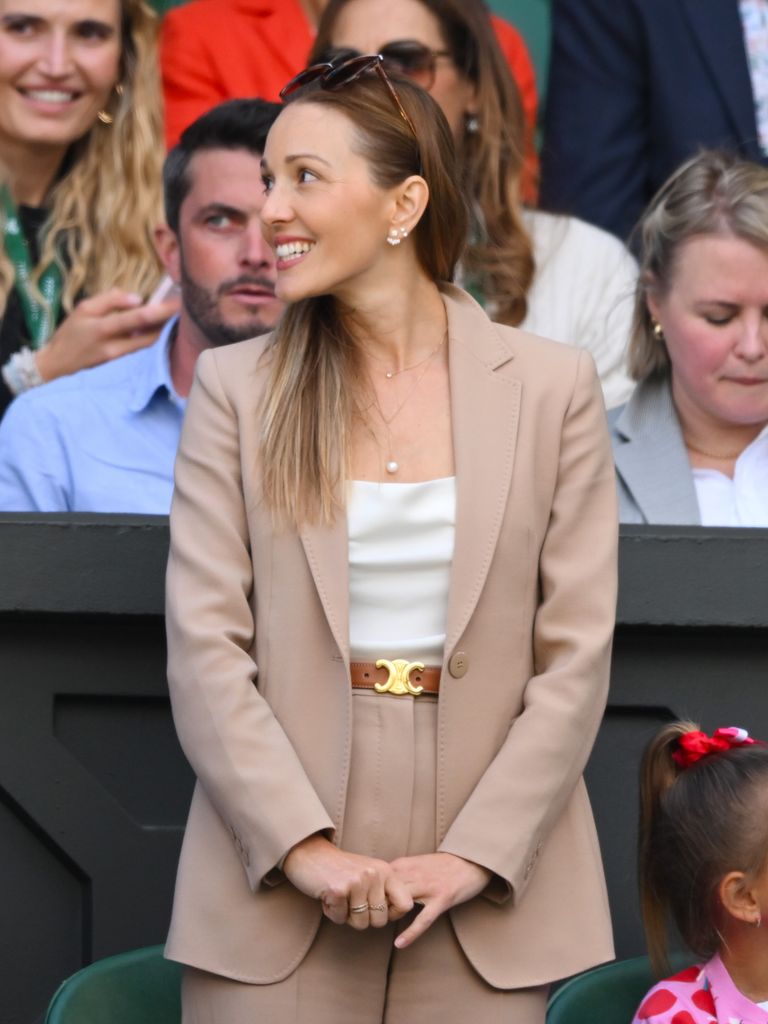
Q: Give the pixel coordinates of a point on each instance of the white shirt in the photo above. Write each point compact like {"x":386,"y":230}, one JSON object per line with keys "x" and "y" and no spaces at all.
{"x":583,"y":294}
{"x":400,"y":553}
{"x":743,"y":500}
{"x":754,"y":20}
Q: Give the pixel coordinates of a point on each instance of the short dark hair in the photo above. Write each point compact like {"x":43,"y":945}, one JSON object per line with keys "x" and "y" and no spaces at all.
{"x":236,"y":124}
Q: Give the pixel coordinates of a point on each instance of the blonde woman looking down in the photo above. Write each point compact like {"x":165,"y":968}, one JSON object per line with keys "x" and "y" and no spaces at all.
{"x":691,"y":445}
{"x":555,"y":276}
{"x":80,"y":155}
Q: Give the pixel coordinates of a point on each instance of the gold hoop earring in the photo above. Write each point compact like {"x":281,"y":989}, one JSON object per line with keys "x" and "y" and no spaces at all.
{"x":658,"y":333}
{"x":104,"y":115}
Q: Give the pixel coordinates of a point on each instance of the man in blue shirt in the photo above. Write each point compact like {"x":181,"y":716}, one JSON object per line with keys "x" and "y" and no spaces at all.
{"x":105,"y":439}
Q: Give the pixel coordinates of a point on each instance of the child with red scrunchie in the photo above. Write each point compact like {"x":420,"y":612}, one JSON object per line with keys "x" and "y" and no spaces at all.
{"x":704,"y":865}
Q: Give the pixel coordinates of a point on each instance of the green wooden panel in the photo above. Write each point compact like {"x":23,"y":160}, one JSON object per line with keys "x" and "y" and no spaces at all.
{"x":532,"y":18}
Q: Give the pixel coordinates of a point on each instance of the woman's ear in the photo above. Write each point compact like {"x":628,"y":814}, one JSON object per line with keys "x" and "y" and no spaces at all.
{"x":410,"y":203}
{"x":738,"y":898}
{"x":472,"y":105}
{"x":651,"y":290}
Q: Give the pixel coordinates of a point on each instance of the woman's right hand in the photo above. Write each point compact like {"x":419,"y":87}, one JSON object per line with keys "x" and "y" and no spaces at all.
{"x":342,"y":880}
{"x":100,"y":328}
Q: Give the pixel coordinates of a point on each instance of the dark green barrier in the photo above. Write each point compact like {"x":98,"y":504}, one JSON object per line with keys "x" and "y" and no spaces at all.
{"x":93,"y":786}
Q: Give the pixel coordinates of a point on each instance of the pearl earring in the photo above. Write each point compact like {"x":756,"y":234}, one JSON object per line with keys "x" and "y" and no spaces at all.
{"x":396,"y":235}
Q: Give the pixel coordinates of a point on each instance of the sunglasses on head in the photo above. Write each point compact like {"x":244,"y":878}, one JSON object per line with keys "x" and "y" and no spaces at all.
{"x":407,"y":56}
{"x":336,"y":76}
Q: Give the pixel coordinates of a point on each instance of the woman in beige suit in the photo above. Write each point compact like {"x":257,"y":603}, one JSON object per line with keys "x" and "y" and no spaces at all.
{"x":390,"y":601}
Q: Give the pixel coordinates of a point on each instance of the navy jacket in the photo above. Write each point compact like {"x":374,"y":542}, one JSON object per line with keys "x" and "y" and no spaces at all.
{"x":637,"y":86}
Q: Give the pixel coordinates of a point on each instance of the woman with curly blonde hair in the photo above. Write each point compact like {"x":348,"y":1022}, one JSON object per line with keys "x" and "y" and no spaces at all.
{"x":80,"y":152}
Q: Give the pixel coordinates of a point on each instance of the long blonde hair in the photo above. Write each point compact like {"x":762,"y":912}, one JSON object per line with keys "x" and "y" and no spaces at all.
{"x":313,"y":392}
{"x":500,"y":251}
{"x":108,"y":199}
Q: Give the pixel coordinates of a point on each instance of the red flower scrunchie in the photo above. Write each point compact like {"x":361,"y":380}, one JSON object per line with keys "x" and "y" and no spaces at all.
{"x":694,"y":745}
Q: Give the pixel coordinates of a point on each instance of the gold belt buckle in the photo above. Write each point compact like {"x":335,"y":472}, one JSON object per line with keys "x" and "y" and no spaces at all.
{"x":399,"y":683}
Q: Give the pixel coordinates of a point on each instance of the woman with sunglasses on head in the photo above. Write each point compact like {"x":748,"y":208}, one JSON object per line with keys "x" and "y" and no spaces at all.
{"x":80,"y":194}
{"x":555,"y":276}
{"x":390,"y":592}
{"x":215,"y":49}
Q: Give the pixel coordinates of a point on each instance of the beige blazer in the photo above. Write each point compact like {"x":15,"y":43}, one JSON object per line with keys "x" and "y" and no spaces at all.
{"x":259,"y":653}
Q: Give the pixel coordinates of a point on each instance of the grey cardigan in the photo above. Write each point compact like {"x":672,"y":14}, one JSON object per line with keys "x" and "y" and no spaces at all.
{"x":653,"y":474}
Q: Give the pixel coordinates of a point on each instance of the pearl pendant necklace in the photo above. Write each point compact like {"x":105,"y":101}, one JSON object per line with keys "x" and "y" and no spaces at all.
{"x":392,"y":465}
{"x":391,"y":374}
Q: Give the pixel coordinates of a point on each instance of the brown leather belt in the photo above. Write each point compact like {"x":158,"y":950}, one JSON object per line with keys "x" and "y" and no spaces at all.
{"x":397,"y":677}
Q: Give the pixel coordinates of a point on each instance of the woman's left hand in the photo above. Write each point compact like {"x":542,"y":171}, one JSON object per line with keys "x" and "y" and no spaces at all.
{"x":439,"y":881}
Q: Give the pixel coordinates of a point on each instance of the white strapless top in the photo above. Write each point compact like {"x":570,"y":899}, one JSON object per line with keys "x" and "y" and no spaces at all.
{"x":400,"y":553}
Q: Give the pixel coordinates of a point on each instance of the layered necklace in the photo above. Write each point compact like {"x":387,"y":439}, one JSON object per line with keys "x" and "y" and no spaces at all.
{"x":391,"y":464}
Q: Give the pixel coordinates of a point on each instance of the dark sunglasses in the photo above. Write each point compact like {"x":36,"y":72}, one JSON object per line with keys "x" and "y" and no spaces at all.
{"x":336,"y":76}
{"x":407,"y":56}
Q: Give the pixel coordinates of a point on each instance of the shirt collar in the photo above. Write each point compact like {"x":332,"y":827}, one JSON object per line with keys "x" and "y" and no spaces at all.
{"x":153,"y":371}
{"x":731,"y":1004}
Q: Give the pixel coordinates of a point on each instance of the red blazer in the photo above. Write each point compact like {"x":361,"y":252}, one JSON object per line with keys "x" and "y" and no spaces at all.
{"x":215,"y":50}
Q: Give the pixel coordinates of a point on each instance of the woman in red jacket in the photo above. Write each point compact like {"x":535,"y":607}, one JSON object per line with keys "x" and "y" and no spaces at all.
{"x":214,"y":50}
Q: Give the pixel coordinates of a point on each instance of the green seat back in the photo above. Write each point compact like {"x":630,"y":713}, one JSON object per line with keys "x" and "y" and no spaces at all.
{"x":138,"y":987}
{"x":607,"y":995}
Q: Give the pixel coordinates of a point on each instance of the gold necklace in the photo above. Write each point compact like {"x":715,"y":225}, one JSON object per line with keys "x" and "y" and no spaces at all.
{"x":391,"y":464}
{"x":391,"y":374}
{"x":728,"y":457}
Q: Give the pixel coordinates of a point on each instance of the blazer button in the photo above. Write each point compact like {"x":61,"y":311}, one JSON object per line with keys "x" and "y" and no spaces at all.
{"x":458,"y":665}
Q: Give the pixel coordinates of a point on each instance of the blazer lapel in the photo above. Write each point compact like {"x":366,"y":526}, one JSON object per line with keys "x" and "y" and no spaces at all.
{"x":485,"y":407}
{"x":717,"y":30}
{"x":652,"y":462}
{"x":327,"y":551}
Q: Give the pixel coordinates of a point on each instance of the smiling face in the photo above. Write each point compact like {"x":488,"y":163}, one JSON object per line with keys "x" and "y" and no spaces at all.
{"x":323,"y":215}
{"x":714,"y":315}
{"x":59,"y":62}
{"x":226,"y":269}
{"x":368,"y":25}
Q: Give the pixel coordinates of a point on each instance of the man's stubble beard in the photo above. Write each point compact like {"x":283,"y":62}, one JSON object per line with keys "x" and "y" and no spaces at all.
{"x":202,"y":306}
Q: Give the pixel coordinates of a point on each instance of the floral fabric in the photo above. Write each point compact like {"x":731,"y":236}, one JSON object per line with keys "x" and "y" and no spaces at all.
{"x":699,"y":995}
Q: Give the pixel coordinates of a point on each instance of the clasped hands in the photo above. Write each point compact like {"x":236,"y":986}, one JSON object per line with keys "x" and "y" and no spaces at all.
{"x":364,"y":892}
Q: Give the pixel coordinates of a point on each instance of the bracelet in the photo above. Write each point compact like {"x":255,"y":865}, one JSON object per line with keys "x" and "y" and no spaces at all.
{"x":20,"y":373}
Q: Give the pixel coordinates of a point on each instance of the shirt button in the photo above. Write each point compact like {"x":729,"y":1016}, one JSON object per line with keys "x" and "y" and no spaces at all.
{"x":458,"y":664}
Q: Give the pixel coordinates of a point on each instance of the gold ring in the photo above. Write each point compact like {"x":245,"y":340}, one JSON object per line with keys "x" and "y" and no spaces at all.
{"x":359,"y":910}
{"x":378,"y":906}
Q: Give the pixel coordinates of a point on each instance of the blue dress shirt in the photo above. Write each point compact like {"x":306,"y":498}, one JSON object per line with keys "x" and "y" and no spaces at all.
{"x":101,"y":440}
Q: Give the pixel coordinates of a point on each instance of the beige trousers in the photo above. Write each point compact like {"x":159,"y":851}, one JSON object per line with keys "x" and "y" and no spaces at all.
{"x":351,"y":977}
